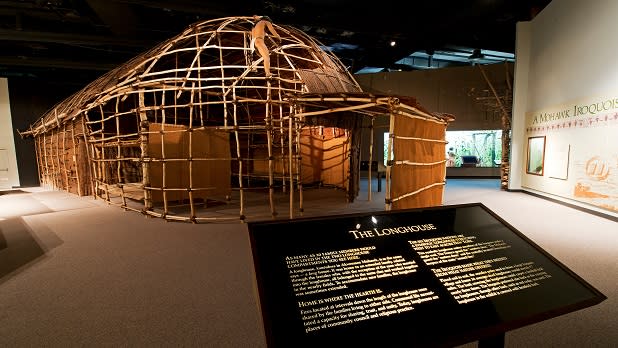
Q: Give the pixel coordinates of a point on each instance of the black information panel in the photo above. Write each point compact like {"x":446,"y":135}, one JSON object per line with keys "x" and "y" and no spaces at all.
{"x":437,"y":276}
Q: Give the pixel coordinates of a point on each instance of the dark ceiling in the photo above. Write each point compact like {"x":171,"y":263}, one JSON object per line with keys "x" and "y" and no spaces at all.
{"x":81,"y":39}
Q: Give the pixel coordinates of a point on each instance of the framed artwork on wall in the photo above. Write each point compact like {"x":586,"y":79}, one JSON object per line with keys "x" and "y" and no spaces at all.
{"x":536,"y":155}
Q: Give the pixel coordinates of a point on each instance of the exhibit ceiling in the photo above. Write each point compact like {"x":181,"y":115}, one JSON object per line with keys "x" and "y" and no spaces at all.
{"x":80,"y":40}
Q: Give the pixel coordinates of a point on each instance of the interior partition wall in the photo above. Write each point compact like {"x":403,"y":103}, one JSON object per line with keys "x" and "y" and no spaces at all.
{"x":566,"y":100}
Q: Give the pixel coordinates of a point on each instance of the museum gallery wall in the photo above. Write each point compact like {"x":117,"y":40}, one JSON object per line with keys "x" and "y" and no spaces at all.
{"x":566,"y":104}
{"x":8,"y":162}
{"x":572,"y":151}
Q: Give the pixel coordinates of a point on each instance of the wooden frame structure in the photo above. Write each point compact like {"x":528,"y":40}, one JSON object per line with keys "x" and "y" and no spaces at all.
{"x":194,"y":123}
{"x":501,"y":102}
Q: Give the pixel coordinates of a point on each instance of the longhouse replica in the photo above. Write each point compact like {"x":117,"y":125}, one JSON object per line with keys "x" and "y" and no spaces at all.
{"x":196,"y":122}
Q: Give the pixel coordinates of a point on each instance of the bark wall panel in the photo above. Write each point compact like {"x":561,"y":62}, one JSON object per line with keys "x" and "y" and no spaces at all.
{"x":311,"y":156}
{"x":426,"y":167}
{"x":63,"y":161}
{"x":335,"y":163}
{"x":205,"y":174}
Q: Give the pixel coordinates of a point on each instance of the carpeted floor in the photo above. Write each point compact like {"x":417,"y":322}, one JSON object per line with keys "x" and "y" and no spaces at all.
{"x":76,"y":272}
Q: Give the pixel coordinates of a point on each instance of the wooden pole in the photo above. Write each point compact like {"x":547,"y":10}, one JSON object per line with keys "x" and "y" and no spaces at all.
{"x":391,"y":136}
{"x":164,"y":163}
{"x":64,"y":158}
{"x":44,"y":176}
{"x":90,"y":159}
{"x":75,"y":141}
{"x":48,"y":162}
{"x":119,"y":158}
{"x":269,"y":125}
{"x":297,"y":156}
{"x":290,"y":162}
{"x":199,"y":76}
{"x":282,"y":147}
{"x":506,"y":127}
{"x":369,"y":189}
{"x":493,"y":90}
{"x":191,"y":185}
{"x":57,"y":171}
{"x":239,"y":159}
{"x":145,"y":158}
{"x":39,"y":158}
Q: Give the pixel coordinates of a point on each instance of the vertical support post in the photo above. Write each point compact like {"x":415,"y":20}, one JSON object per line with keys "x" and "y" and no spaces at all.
{"x":281,"y":139}
{"x":297,"y":129}
{"x":53,"y":155}
{"x":238,"y":157}
{"x":49,"y":172}
{"x":199,"y":76}
{"x":64,"y":157}
{"x":57,"y":169}
{"x":119,"y":157}
{"x":58,"y":172}
{"x":290,"y":162}
{"x":144,"y":149}
{"x":506,"y":127}
{"x":164,"y":170}
{"x":42,"y":176}
{"x":48,"y":177}
{"x":52,"y":160}
{"x":118,"y":147}
{"x":39,"y":158}
{"x":369,"y":179}
{"x":444,"y":164}
{"x":268,"y":121}
{"x":192,"y":98}
{"x":389,"y":161}
{"x":49,"y":159}
{"x":91,"y":162}
{"x":103,"y":165}
{"x":164,"y":163}
{"x":102,"y":162}
{"x":75,"y":142}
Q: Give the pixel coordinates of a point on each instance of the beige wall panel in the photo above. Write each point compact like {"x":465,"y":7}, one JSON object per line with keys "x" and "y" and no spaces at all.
{"x":336,"y":165}
{"x":205,"y":144}
{"x":409,"y":178}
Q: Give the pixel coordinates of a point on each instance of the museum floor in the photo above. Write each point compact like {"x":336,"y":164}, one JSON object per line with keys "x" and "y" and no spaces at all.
{"x":77,"y":272}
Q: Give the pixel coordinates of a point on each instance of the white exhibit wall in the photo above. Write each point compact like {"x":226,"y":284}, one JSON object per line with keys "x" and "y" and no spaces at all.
{"x":520,"y":97}
{"x":9,"y":176}
{"x":568,"y":97}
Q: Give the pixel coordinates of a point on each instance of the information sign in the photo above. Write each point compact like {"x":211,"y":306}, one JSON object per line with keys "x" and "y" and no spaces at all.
{"x":439,"y":276}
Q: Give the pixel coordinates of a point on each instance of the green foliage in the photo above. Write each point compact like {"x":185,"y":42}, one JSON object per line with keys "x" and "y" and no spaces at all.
{"x":485,"y":144}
